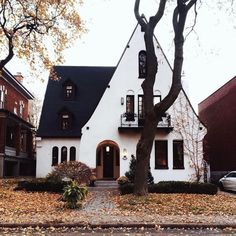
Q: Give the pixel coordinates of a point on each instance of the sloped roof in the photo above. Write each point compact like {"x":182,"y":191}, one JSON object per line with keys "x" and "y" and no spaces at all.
{"x":7,"y":76}
{"x":90,"y":83}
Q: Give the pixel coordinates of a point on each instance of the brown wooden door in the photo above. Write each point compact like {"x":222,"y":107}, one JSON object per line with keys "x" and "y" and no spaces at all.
{"x":108,"y":159}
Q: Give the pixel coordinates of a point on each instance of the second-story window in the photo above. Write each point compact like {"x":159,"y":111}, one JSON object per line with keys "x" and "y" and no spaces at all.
{"x":141,"y":114}
{"x":65,"y":121}
{"x":3,"y":92}
{"x":142,"y":63}
{"x":69,"y":90}
{"x":21,"y":110}
{"x":130,"y":107}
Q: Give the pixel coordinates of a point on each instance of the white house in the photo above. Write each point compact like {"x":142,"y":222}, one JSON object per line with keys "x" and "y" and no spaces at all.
{"x":95,"y":115}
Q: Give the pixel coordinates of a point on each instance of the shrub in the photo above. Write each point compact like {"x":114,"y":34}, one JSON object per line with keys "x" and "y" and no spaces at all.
{"x":126,"y":188}
{"x":184,"y":187}
{"x":122,"y":180}
{"x":73,"y":195}
{"x":174,"y":187}
{"x":41,"y":185}
{"x":72,"y":170}
{"x":131,"y":173}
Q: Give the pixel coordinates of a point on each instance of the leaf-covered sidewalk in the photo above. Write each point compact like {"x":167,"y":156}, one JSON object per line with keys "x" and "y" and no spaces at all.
{"x":100,"y":208}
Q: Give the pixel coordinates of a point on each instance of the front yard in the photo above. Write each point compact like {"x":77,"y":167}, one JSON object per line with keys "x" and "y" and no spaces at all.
{"x":26,"y":207}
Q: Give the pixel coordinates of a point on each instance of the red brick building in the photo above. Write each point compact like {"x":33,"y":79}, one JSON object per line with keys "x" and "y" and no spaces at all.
{"x":218,"y":112}
{"x":16,"y":133}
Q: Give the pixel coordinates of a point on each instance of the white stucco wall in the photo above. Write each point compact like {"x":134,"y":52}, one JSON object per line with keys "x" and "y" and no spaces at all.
{"x":44,"y":153}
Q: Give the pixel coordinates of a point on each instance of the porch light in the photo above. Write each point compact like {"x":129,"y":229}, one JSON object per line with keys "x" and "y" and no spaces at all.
{"x":107,"y":149}
{"x":122,"y":101}
{"x":125,"y":153}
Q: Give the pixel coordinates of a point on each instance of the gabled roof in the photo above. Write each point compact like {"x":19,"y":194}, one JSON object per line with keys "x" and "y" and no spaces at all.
{"x":7,"y":76}
{"x":90,"y":83}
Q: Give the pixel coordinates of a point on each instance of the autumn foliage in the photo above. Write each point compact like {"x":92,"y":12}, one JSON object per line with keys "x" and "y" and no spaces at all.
{"x":38,"y":31}
{"x":73,"y":170}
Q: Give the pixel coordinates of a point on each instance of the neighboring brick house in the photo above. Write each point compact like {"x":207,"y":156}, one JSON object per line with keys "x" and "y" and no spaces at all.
{"x":16,"y":133}
{"x":218,"y":112}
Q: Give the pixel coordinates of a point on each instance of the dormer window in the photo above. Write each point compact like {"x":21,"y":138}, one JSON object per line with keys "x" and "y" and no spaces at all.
{"x":65,"y":121}
{"x":69,"y":90}
{"x":142,"y":63}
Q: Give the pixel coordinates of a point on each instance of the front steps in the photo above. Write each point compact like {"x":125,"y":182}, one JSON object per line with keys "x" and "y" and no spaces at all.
{"x":105,"y":185}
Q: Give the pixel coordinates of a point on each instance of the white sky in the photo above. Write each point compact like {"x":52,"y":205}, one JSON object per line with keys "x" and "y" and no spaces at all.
{"x":209,"y":51}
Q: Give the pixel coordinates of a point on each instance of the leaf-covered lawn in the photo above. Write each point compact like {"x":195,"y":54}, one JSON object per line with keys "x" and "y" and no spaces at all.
{"x":27,"y":207}
{"x":179,"y":204}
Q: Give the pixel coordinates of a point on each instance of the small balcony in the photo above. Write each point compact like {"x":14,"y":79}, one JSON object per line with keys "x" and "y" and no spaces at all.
{"x":131,"y":121}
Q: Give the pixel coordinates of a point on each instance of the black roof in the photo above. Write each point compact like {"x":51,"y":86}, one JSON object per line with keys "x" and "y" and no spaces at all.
{"x":90,"y":83}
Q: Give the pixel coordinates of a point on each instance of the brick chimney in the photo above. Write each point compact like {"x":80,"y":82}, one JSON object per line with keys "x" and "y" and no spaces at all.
{"x":19,"y":77}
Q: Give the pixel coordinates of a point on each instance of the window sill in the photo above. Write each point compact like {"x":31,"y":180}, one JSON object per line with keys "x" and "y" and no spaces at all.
{"x":178,"y":168}
{"x":161,"y":168}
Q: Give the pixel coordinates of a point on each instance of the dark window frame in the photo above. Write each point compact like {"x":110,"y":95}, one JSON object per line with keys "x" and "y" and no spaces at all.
{"x":178,"y":154}
{"x":63,"y":154}
{"x":129,"y":107}
{"x":69,"y":91}
{"x":55,"y":152}
{"x":141,"y":108}
{"x":72,"y":153}
{"x":142,"y":64}
{"x":163,"y":145}
{"x":65,"y":121}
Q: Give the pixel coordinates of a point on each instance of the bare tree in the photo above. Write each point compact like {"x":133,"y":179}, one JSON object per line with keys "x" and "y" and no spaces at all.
{"x":154,"y":112}
{"x":187,"y":124}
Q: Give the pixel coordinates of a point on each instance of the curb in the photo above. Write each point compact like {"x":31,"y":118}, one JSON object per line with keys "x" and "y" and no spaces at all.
{"x":118,"y":225}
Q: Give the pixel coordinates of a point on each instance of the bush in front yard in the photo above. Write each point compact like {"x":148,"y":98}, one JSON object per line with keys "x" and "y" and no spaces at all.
{"x":174,"y":187}
{"x":41,"y":185}
{"x":73,"y":170}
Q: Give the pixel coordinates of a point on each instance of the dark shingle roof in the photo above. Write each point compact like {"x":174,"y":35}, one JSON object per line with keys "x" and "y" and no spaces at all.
{"x":90,"y":83}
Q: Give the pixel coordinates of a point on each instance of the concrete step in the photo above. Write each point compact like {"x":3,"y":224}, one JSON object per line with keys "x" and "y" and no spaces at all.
{"x":106,"y":183}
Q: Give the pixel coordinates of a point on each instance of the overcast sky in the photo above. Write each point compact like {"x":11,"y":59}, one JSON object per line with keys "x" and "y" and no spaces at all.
{"x":209,"y":50}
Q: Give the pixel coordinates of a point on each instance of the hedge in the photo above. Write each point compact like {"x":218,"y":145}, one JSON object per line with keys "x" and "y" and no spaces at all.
{"x":41,"y":185}
{"x":174,"y":187}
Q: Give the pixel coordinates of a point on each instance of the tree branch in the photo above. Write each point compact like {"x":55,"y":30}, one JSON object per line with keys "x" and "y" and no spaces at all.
{"x":137,"y":15}
{"x":155,"y":19}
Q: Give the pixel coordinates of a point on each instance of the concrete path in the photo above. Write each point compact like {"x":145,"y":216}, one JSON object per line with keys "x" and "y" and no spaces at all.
{"x":100,"y":200}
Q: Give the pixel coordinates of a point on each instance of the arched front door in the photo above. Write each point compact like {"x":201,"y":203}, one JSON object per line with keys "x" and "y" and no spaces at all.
{"x":108,"y":160}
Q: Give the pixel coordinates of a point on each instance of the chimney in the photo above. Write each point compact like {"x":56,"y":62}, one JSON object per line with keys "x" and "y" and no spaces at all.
{"x":19,"y":77}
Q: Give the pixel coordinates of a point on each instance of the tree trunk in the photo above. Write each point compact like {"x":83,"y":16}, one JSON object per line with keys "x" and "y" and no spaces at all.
{"x":153,"y":113}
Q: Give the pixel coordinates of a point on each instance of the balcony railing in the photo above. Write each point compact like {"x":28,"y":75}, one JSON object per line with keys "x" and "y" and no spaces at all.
{"x":132,"y":120}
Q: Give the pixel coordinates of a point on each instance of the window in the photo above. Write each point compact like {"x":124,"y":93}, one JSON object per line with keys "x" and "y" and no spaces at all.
{"x":21,"y":110}
{"x":141,"y":111}
{"x":54,"y":156}
{"x":69,"y":90}
{"x":161,"y":154}
{"x":72,"y":154}
{"x":178,"y":154}
{"x":65,"y":121}
{"x":141,"y":114}
{"x":130,"y":107}
{"x":142,"y":63}
{"x":63,"y":154}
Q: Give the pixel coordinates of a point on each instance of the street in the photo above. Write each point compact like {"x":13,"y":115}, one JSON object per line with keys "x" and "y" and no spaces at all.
{"x":115,"y":231}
